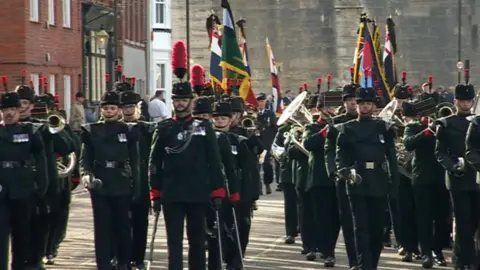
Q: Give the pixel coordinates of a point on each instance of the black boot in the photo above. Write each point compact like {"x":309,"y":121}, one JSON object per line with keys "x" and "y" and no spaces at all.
{"x":311,"y":256}
{"x":440,"y":259}
{"x":329,"y":262}
{"x":268,"y":189}
{"x":289,"y":240}
{"x":408,"y":257}
{"x":50,"y":260}
{"x":427,"y":261}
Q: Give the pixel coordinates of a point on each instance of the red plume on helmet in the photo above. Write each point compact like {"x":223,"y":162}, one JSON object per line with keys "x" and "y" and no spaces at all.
{"x":179,"y":59}
{"x":197,"y":78}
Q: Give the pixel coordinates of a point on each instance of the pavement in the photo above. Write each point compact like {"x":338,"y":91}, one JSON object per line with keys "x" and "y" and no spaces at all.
{"x":265,"y":251}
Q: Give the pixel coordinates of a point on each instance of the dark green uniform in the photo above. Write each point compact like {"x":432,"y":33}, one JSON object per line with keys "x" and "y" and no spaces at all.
{"x":110,"y":153}
{"x":346,"y":220}
{"x":449,"y":149}
{"x":21,"y":149}
{"x":288,"y":187}
{"x":185,"y":171}
{"x":321,"y":190}
{"x":431,"y":196}
{"x":367,"y":145}
{"x":228,"y":161}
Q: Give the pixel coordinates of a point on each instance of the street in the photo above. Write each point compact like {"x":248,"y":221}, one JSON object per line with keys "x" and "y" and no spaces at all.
{"x":265,"y":251}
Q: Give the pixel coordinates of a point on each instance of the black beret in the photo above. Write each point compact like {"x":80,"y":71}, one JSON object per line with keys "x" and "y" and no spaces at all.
{"x":349,"y":90}
{"x":128,"y":98}
{"x":182,"y":90}
{"x":110,"y":98}
{"x":366,"y":94}
{"x":464,"y":92}
{"x":202,"y":105}
{"x":222,"y":109}
{"x":238,"y":104}
{"x":25,"y":92}
{"x":10,"y":100}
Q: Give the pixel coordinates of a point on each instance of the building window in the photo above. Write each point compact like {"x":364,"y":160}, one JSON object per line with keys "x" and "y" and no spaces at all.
{"x":160,"y":8}
{"x":67,"y":12}
{"x":35,"y":79}
{"x":51,"y":83}
{"x":51,"y":12}
{"x":34,"y":12}
{"x":160,"y":77}
{"x":67,"y":94}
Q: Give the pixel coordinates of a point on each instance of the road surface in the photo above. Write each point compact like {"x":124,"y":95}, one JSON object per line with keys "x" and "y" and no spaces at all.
{"x":265,"y":251}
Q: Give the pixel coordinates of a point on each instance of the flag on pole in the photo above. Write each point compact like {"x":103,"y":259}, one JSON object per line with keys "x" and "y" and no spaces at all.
{"x":276,"y":91}
{"x":233,"y":64}
{"x":358,"y":55}
{"x":389,"y":50}
{"x":250,"y":98}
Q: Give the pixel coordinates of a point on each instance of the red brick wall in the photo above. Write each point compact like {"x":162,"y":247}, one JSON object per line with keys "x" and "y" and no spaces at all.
{"x":28,"y":43}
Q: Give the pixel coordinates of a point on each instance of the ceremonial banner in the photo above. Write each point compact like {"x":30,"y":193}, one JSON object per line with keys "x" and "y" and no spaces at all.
{"x":358,"y":55}
{"x":233,"y":64}
{"x":214,"y":34}
{"x":250,"y":98}
{"x":276,"y":91}
{"x":389,"y":50}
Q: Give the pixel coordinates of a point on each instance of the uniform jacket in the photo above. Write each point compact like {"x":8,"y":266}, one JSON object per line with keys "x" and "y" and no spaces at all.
{"x":314,"y":141}
{"x":450,"y":146}
{"x":472,"y":151}
{"x":426,"y":169}
{"x":367,"y":145}
{"x":110,"y":151}
{"x":245,"y":168}
{"x":22,"y":150}
{"x":77,"y":115}
{"x":185,"y":163}
{"x":229,"y":163}
{"x":268,"y":127}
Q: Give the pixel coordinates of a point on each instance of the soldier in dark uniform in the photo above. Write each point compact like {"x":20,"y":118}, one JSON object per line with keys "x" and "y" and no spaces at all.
{"x":431,"y":196}
{"x":109,"y":166}
{"x":346,"y":221}
{"x":268,"y":129}
{"x":321,"y":188}
{"x":367,"y":161}
{"x":185,"y":171}
{"x":22,"y":149}
{"x":450,"y":152}
{"x":58,"y":144}
{"x":129,"y":104}
{"x":286,"y":180}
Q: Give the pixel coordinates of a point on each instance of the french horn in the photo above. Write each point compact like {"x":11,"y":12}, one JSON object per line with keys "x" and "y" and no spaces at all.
{"x":65,"y":165}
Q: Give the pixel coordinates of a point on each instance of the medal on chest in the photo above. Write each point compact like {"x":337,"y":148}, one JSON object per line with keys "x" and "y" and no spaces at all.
{"x":122,"y":137}
{"x":20,"y":138}
{"x":381,"y":138}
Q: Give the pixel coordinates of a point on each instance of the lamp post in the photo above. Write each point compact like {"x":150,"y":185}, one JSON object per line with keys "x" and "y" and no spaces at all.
{"x":187,"y":11}
{"x":101,"y":38}
{"x":459,"y":53}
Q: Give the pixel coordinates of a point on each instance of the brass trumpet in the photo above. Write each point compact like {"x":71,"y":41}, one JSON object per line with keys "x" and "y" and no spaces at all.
{"x":55,"y":123}
{"x":65,"y":165}
{"x":251,"y":124}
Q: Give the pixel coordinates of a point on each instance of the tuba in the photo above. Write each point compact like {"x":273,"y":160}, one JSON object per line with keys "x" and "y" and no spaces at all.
{"x":404,"y":157}
{"x":297,"y":113}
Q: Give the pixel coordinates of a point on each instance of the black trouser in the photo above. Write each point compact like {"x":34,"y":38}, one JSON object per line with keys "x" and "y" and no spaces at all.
{"x":277,"y":171}
{"x":214,"y":262}
{"x":466,"y":207}
{"x":310,"y":239}
{"x":175,"y":214}
{"x":15,"y":221}
{"x":327,"y":220}
{"x":40,"y":222}
{"x":432,"y":216}
{"x":346,"y":222}
{"x":140,"y":210}
{"x":67,"y":193}
{"x":58,"y":219}
{"x":368,"y":219}
{"x":290,"y":209}
{"x":406,"y":216}
{"x":391,"y":216}
{"x":267,"y":169}
{"x":111,"y":220}
{"x":243,"y":212}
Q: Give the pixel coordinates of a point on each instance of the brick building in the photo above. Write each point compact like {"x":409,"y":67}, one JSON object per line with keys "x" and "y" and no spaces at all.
{"x":42,"y":36}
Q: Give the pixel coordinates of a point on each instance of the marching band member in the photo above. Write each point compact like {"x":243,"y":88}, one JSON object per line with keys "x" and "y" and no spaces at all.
{"x":19,"y":183}
{"x":185,"y":171}
{"x":461,"y":177}
{"x":321,"y":188}
{"x":129,"y":105}
{"x":55,"y":144}
{"x":268,"y":129}
{"x":346,"y":221}
{"x":431,"y":197}
{"x":367,"y":161}
{"x":109,"y":166}
{"x":289,"y":195}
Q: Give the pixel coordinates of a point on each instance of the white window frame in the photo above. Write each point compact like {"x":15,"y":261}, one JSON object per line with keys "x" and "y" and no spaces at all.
{"x":67,"y":94}
{"x":166,"y":14}
{"x":51,"y":12}
{"x":51,"y":84}
{"x":67,"y":13}
{"x":34,"y":11}
{"x":35,"y":79}
{"x":158,"y":74}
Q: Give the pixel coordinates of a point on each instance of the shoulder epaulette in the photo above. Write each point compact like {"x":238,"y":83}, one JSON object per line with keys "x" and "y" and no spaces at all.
{"x":165,"y":122}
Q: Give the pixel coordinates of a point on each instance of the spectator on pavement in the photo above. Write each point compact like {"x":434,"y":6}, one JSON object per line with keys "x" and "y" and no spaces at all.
{"x":157,"y":108}
{"x":77,"y":112}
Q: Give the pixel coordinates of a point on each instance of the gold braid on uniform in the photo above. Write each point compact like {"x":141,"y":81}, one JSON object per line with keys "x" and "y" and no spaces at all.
{"x":188,"y":139}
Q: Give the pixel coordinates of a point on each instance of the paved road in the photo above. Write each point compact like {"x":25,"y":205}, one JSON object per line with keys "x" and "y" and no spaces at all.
{"x":266,"y":249}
